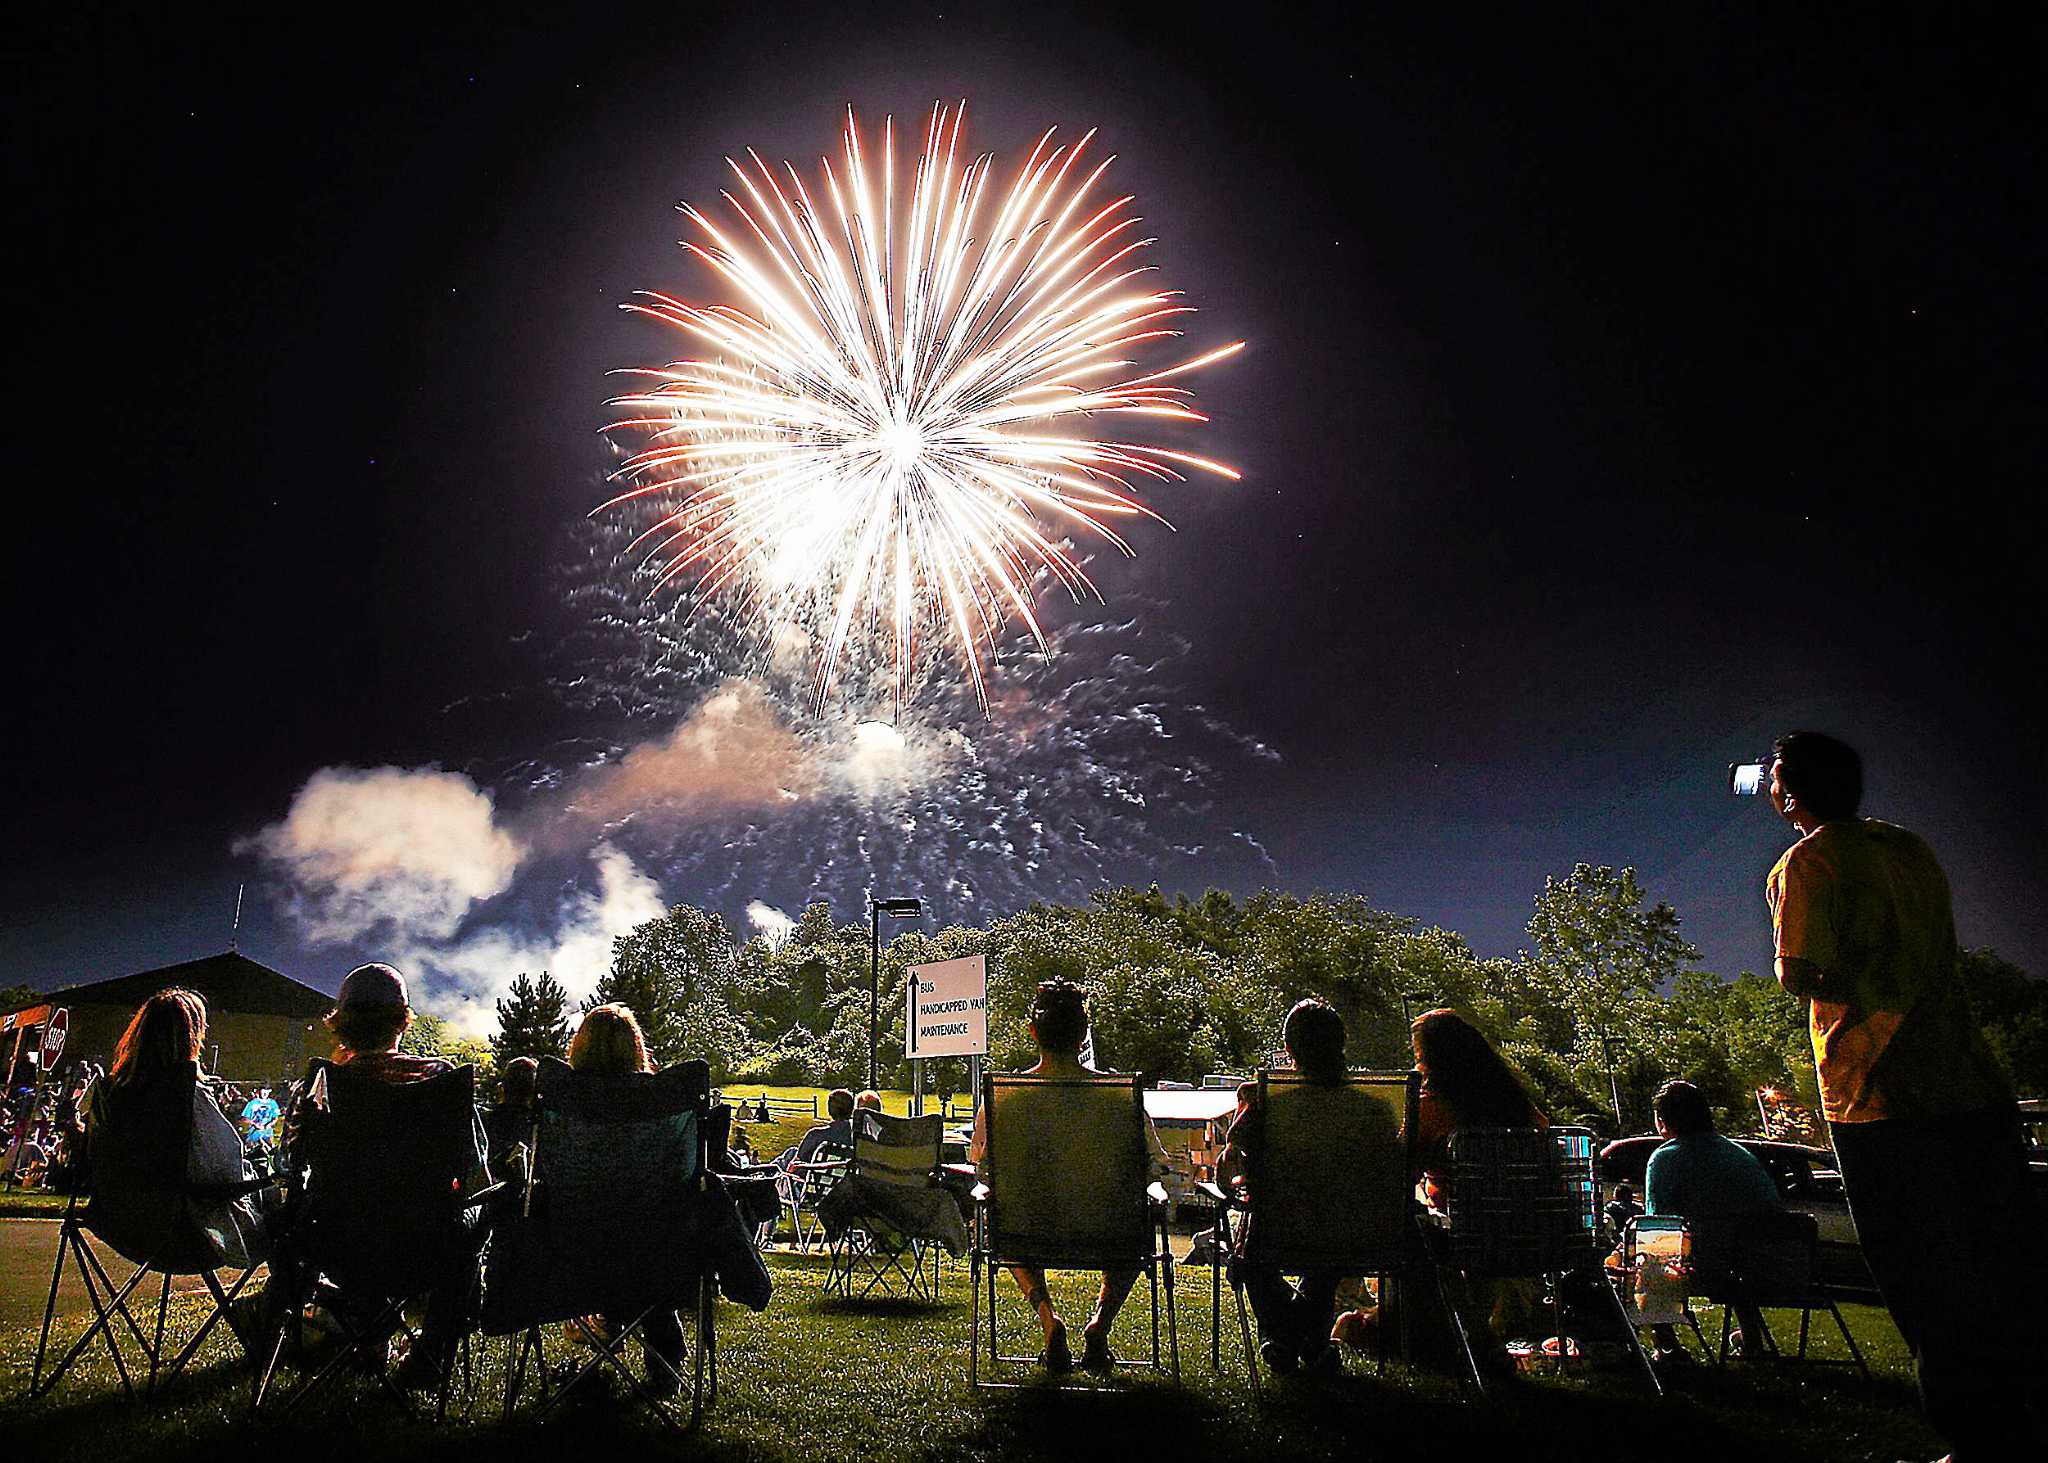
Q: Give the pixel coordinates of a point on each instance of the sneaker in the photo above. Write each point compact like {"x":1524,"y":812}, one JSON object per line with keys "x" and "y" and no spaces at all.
{"x":1280,"y":1360}
{"x":1095,"y":1353}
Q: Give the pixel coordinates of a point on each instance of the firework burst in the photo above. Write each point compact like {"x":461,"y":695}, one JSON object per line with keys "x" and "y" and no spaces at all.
{"x":890,"y":430}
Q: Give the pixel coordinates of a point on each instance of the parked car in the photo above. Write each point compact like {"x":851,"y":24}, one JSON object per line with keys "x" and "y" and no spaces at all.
{"x":1807,"y":1180}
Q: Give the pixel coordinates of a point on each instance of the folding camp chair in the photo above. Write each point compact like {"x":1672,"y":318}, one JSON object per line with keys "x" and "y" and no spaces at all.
{"x":1522,"y":1204}
{"x":1657,"y":1275}
{"x":1067,"y":1185}
{"x":889,"y":1220}
{"x":1331,"y":1185}
{"x":168,"y":1192}
{"x":1770,"y":1258}
{"x":809,"y":1185}
{"x":609,"y":1225}
{"x":385,"y":1209}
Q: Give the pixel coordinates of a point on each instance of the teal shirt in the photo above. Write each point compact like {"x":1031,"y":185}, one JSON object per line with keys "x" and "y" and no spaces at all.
{"x":1707,"y":1176}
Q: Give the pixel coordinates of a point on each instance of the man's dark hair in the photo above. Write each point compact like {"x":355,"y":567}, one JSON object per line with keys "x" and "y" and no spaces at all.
{"x":1823,"y":772}
{"x":367,"y":1028}
{"x":839,"y":1104}
{"x":1314,"y":1034}
{"x":1059,"y":1015}
{"x":1626,"y":1193}
{"x":1682,"y":1109}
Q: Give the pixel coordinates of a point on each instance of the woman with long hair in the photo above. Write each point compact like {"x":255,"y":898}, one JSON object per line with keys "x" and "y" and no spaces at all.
{"x":167,"y":1031}
{"x":609,"y":1041}
{"x":1465,"y":1084}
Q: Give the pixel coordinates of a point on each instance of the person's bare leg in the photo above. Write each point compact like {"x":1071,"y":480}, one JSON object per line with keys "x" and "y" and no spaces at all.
{"x":1032,"y":1282}
{"x":1116,"y":1289}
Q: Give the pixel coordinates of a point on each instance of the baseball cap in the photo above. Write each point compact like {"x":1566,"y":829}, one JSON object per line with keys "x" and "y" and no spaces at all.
{"x":375,"y":984}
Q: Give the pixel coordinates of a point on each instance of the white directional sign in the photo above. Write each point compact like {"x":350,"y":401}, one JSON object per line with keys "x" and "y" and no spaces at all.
{"x":949,"y":1009}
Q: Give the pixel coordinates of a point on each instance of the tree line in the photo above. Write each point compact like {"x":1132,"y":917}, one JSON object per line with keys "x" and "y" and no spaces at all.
{"x":1604,"y":1003}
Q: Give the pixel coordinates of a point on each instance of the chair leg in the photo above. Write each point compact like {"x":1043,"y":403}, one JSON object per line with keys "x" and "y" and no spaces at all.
{"x":1172,"y":1316}
{"x":1706,"y":1349}
{"x":222,"y":1300}
{"x":64,"y":1238}
{"x":973,"y":1317}
{"x":103,"y":1317}
{"x":1244,"y":1331}
{"x":1635,"y":1339}
{"x":1855,"y":1352}
{"x":705,"y":1321}
{"x":1457,"y":1325}
{"x":156,"y":1349}
{"x":289,"y":1322}
{"x":1805,"y":1322}
{"x":1152,"y":1281}
{"x":1216,"y":1295}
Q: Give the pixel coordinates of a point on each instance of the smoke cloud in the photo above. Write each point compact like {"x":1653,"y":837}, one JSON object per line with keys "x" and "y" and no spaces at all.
{"x":770,"y":923}
{"x":387,"y":850}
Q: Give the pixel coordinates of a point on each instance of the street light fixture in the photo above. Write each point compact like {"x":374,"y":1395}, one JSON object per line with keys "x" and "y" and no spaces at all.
{"x":895,"y":909}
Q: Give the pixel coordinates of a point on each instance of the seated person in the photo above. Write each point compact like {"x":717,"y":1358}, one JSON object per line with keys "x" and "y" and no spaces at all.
{"x":1621,"y":1210}
{"x":609,"y":1040}
{"x":1465,"y":1084}
{"x":869,"y":1100}
{"x":371,"y":1013}
{"x":509,"y":1123}
{"x":1706,"y":1179}
{"x":1294,"y":1323}
{"x":741,"y":1148}
{"x":1058,"y":1025}
{"x":166,"y":1034}
{"x":838,"y":1131}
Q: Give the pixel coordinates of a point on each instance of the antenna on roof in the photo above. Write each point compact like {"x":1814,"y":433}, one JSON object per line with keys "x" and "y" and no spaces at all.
{"x":235,"y":929}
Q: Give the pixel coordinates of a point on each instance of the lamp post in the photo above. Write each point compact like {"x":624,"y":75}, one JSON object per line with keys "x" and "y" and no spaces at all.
{"x":895,"y":909}
{"x":1607,"y":1045}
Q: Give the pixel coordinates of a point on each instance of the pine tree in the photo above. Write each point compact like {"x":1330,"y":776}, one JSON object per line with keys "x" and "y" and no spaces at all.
{"x":682,"y":976}
{"x":533,"y":1021}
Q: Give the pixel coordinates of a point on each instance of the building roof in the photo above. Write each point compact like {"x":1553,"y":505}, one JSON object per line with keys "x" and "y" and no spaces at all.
{"x":230,"y":981}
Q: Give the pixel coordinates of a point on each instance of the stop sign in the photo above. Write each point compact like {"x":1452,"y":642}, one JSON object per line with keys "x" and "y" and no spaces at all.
{"x":53,"y":1036}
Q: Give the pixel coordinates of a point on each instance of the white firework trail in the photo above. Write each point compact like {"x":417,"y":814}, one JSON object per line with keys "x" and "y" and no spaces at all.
{"x":892,"y":428}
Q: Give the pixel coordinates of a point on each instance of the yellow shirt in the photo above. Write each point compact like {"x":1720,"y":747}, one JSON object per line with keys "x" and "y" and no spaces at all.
{"x":1865,"y":902}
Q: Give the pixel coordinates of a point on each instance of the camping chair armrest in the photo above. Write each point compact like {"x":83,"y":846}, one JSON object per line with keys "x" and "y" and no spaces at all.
{"x":827,"y":1165}
{"x":980,"y":1193}
{"x":485,"y":1194}
{"x":240,"y":1188}
{"x":1156,"y":1192}
{"x":1220,"y":1196}
{"x":959,"y":1170}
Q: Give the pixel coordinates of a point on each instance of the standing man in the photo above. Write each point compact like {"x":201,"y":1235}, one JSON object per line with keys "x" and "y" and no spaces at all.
{"x":1924,"y":1125}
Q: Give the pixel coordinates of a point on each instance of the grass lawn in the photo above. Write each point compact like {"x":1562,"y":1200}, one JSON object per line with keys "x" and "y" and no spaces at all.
{"x":770,"y":1139}
{"x":815,"y":1379}
{"x":31,"y":1204}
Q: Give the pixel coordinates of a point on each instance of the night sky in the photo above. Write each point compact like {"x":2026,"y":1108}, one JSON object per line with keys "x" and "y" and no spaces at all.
{"x":1621,"y":390}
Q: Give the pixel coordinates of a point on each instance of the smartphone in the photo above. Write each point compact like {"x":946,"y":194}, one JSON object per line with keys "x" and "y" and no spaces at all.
{"x":1747,"y":779}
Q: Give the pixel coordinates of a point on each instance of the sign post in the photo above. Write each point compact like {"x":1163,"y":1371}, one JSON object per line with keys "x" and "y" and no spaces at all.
{"x":948,"y":1014}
